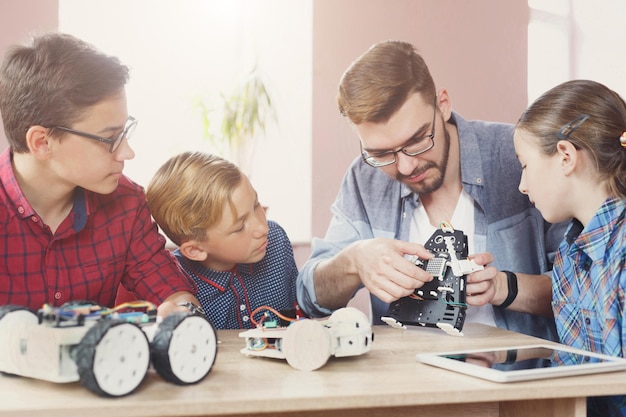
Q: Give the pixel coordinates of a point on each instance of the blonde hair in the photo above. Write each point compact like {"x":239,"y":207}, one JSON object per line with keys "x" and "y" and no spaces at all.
{"x":187,"y":195}
{"x":599,"y":134}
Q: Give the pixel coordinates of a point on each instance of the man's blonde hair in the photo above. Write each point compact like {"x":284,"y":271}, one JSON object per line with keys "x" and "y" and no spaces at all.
{"x":187,"y":195}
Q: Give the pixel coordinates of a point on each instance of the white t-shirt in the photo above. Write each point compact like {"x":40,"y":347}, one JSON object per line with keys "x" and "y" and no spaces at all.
{"x":462,"y":219}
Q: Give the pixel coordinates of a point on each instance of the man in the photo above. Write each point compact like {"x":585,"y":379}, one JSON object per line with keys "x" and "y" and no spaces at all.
{"x":73,"y":226}
{"x":422,"y":164}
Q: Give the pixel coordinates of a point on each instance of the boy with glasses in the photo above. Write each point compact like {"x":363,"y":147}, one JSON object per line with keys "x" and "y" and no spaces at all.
{"x":422,"y":164}
{"x":73,"y":226}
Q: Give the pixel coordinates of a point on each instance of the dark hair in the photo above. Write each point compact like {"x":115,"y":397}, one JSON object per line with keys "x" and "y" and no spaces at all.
{"x":379,"y":82}
{"x":53,"y":82}
{"x":600,"y":133}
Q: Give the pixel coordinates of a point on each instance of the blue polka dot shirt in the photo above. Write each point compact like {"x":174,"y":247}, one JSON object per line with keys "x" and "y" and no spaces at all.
{"x":229,"y":297}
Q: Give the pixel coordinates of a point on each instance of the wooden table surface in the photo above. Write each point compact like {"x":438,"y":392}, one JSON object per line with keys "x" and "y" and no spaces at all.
{"x":386,"y":381}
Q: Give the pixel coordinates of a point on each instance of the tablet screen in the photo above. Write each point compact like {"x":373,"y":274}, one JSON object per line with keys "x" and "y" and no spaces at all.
{"x":525,"y":358}
{"x":519,"y":363}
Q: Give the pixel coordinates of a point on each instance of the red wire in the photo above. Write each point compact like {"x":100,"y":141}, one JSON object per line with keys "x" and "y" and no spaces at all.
{"x":264,"y":316}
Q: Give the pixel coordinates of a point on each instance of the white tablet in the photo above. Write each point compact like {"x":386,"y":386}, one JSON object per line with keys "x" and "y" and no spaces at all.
{"x":522,"y":363}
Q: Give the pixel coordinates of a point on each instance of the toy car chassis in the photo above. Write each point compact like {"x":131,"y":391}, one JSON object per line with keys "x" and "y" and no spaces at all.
{"x":307,"y":344}
{"x":108,"y":350}
{"x":440,"y":302}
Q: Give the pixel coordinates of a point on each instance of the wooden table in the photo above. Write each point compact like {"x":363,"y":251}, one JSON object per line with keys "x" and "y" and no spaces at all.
{"x":386,"y":381}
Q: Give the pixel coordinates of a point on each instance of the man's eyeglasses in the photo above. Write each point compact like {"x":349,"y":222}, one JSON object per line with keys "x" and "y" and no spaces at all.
{"x":416,"y":147}
{"x":113,"y":142}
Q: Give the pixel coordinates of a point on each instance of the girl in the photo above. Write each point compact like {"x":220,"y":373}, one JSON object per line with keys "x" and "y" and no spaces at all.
{"x":571,"y":143}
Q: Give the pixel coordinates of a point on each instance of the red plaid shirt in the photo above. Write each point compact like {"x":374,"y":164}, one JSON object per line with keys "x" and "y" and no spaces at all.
{"x":104,"y":241}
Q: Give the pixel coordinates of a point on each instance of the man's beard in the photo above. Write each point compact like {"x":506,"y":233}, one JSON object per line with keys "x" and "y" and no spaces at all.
{"x":431,"y":185}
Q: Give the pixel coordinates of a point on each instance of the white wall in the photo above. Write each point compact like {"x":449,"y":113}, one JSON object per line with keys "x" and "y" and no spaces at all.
{"x":180,"y":50}
{"x":573,"y":39}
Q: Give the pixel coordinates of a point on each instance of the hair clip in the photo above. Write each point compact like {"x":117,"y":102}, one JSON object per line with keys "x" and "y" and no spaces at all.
{"x":622,"y":139}
{"x":570,"y":127}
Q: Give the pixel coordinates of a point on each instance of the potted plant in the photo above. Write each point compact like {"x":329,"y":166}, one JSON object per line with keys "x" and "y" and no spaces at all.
{"x":245,"y":112}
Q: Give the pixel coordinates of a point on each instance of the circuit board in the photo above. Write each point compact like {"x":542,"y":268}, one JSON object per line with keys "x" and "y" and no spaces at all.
{"x":440,"y":302}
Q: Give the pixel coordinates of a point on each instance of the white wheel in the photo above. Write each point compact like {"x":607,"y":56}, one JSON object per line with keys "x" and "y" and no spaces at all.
{"x":113,"y":358}
{"x":184,"y":348}
{"x":15,"y":323}
{"x":306,"y":345}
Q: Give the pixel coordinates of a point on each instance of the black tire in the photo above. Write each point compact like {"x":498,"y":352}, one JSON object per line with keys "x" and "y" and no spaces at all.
{"x":113,"y":358}
{"x":184,"y":348}
{"x":9,"y":308}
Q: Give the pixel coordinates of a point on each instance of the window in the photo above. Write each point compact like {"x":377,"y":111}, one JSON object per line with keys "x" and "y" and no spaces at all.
{"x":573,"y":39}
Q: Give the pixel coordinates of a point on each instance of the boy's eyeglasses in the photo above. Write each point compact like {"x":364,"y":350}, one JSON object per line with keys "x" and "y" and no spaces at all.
{"x":113,"y":142}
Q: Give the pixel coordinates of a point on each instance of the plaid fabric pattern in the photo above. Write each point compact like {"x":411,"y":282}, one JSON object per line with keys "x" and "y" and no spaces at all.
{"x":589,"y":278}
{"x":104,"y":241}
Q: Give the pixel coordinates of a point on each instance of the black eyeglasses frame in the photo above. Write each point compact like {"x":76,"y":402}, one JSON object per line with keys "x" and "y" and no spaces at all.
{"x":113,"y":143}
{"x":369,"y":160}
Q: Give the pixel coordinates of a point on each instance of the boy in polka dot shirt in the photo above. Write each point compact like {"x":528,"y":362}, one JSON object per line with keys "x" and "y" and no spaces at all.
{"x":240,"y":261}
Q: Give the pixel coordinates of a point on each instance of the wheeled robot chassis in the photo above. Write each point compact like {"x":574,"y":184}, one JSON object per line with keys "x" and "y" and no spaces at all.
{"x":307,"y":344}
{"x":108,"y":350}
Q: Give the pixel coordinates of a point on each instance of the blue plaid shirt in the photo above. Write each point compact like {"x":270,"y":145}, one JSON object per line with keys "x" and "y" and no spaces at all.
{"x":589,"y":278}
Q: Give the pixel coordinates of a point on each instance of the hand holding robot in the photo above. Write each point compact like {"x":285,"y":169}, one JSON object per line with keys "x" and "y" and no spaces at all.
{"x":441,"y":302}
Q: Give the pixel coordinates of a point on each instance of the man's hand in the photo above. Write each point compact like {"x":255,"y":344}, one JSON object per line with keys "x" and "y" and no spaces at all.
{"x":490,"y":286}
{"x":383,"y":269}
{"x":482,"y":286}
